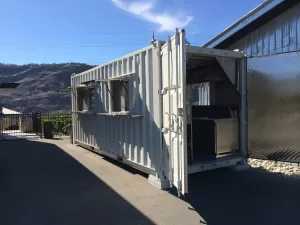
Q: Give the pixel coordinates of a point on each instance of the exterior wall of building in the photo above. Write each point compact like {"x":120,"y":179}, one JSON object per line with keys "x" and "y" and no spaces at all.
{"x":273,"y":107}
{"x":282,"y":34}
{"x":136,"y":139}
{"x":274,"y":87}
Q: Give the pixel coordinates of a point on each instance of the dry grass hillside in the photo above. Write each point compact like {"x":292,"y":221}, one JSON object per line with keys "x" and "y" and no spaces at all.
{"x":39,"y":83}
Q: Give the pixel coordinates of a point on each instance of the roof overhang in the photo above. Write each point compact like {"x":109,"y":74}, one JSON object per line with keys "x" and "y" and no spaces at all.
{"x":9,"y":85}
{"x":251,"y":21}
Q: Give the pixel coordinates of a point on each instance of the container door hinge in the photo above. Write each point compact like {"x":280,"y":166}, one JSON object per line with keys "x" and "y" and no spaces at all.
{"x":163,"y":92}
{"x":166,"y":89}
{"x":164,"y":130}
{"x":180,"y":111}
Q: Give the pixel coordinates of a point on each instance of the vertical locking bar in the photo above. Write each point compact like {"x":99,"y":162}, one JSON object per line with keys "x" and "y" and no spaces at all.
{"x":169,"y":113}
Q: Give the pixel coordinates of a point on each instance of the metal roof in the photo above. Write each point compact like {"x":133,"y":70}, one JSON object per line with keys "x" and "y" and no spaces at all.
{"x":9,"y":111}
{"x":251,"y":21}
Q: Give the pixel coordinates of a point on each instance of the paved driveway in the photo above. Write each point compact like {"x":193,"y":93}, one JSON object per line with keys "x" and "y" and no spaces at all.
{"x":52,"y":182}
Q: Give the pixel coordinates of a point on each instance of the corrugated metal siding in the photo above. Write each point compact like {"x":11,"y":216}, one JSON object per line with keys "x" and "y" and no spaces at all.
{"x":282,"y":34}
{"x":136,"y":139}
{"x":273,"y":107}
{"x":273,"y":87}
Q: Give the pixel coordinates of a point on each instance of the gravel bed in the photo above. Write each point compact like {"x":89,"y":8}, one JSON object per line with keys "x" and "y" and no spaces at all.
{"x":292,"y":170}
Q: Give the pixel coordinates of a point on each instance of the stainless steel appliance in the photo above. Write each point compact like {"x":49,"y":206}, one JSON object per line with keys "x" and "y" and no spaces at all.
{"x":226,"y":136}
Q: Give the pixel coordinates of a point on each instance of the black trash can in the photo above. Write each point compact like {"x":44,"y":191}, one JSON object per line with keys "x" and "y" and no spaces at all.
{"x":48,"y":130}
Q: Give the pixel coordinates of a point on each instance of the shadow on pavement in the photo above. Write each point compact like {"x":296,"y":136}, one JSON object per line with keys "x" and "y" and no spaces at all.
{"x":41,"y":184}
{"x":253,"y":196}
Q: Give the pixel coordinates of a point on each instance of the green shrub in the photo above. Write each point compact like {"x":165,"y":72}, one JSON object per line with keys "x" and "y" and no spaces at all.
{"x":62,"y":123}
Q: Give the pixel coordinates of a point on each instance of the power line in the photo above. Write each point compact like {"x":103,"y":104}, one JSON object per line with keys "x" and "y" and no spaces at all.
{"x":92,"y":42}
{"x":95,"y":33}
{"x":70,"y":46}
{"x":87,"y":33}
{"x":79,"y":45}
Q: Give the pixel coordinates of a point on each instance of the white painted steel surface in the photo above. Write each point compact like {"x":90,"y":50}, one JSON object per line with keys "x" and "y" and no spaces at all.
{"x":203,"y":92}
{"x":212,"y":52}
{"x":174,"y":110}
{"x":279,"y":35}
{"x":157,"y":103}
{"x":137,"y":139}
{"x":219,"y":163}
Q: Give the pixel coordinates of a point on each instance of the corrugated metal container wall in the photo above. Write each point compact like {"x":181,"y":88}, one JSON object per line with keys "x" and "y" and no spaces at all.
{"x":281,"y":34}
{"x":204,"y":94}
{"x":137,"y":139}
{"x":274,"y":87}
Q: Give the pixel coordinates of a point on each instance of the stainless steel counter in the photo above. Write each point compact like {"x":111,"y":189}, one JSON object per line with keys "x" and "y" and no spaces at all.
{"x":226,"y":135}
{"x":225,"y":132}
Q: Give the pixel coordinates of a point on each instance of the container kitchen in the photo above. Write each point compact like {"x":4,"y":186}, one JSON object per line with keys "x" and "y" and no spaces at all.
{"x":169,"y":110}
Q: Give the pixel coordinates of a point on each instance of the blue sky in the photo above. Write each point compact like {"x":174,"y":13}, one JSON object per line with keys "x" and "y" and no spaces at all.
{"x":97,"y":31}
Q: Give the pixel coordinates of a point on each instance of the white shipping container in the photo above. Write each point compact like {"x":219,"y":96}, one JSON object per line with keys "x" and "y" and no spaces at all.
{"x":139,"y":109}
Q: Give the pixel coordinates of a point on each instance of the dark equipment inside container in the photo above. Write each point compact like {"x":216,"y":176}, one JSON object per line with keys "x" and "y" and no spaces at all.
{"x":214,"y":104}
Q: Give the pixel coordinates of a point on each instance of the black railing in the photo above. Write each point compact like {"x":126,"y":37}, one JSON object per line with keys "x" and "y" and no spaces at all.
{"x":15,"y":126}
{"x":26,"y":125}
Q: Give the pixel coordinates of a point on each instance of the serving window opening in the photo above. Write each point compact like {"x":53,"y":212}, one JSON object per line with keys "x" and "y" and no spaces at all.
{"x":120,"y":95}
{"x":84,"y":99}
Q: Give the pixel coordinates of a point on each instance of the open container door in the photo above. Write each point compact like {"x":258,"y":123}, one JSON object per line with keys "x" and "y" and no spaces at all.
{"x":174,"y":116}
{"x":219,"y":127}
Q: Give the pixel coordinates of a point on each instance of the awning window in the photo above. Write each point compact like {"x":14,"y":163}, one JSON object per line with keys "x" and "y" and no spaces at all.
{"x":122,"y":77}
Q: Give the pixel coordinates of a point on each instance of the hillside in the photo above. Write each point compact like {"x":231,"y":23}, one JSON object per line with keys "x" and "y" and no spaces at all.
{"x":39,"y":83}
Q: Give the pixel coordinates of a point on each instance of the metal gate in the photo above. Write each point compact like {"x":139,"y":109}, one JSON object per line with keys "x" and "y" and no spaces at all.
{"x":20,"y":126}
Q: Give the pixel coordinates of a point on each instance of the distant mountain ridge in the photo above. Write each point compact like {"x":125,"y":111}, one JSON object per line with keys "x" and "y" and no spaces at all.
{"x":39,"y":83}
